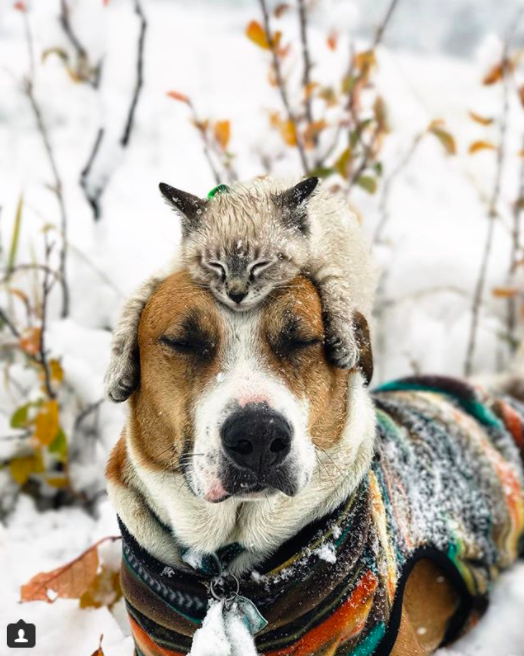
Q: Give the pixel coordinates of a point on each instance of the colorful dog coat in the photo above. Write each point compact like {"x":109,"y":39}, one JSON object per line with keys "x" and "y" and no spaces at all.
{"x":446,"y":483}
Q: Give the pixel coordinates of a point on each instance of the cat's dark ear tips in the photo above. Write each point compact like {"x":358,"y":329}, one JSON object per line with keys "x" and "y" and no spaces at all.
{"x":190,"y":208}
{"x":303,"y":190}
{"x":293,"y":202}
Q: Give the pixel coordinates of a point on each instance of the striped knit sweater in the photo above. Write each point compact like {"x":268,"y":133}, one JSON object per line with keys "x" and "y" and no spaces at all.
{"x":446,"y":483}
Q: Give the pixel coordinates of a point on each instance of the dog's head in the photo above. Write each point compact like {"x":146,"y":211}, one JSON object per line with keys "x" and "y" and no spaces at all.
{"x":240,"y":403}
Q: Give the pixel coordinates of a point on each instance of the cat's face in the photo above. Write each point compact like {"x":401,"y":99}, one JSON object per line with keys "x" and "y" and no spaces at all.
{"x":242,"y":278}
{"x":243,"y":243}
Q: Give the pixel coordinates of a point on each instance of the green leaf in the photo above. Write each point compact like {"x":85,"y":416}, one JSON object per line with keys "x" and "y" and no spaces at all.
{"x":16,"y":235}
{"x":59,"y":446}
{"x":368,"y":183}
{"x":377,"y":167}
{"x":19,"y":418}
{"x":321,"y":172}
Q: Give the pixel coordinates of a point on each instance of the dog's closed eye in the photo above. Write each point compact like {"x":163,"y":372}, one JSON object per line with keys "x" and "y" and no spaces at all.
{"x":191,"y":339}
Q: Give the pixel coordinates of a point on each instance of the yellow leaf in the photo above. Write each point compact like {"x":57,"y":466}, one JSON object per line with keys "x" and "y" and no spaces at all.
{"x":381,"y":114}
{"x":176,"y":95}
{"x":288,"y":133}
{"x":480,"y":145}
{"x":342,"y":162}
{"x":58,"y":482}
{"x":445,"y":138}
{"x":256,"y":33}
{"x":22,"y":468}
{"x":480,"y":119}
{"x":222,"y":131}
{"x":365,"y":60}
{"x":47,"y":422}
{"x":104,"y":590}
{"x":57,"y":373}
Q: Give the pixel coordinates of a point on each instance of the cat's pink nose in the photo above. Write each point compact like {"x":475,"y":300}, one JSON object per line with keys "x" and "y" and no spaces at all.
{"x":237,"y":297}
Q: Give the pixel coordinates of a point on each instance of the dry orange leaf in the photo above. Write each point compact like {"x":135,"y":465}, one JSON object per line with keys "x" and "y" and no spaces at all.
{"x":30,"y":341}
{"x":281,"y":9}
{"x":256,"y":33}
{"x":480,"y":119}
{"x":505,"y":292}
{"x":99,"y":651}
{"x":176,"y":95}
{"x":47,"y":422}
{"x":19,"y":6}
{"x":67,"y":582}
{"x":332,"y":40}
{"x":521,"y":95}
{"x":222,"y":130}
{"x":312,"y":131}
{"x":476,"y":146}
{"x":496,"y":73}
{"x":445,"y":138}
{"x":309,"y":88}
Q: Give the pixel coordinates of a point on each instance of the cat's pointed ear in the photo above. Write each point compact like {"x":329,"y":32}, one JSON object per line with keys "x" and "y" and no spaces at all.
{"x":189,"y":207}
{"x":293,"y":202}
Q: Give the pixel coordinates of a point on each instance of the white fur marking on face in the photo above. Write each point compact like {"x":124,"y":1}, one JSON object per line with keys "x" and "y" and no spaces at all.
{"x":245,"y":378}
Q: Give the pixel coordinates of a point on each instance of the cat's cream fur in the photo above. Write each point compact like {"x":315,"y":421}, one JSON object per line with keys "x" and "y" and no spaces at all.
{"x":254,"y":223}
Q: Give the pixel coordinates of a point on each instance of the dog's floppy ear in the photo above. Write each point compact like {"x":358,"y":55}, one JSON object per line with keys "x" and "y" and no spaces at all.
{"x":293,"y":203}
{"x":363,"y":341}
{"x":123,"y":373}
{"x":189,"y":207}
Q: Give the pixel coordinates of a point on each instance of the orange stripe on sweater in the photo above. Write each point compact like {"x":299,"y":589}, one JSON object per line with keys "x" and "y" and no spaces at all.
{"x":147,"y":645}
{"x":513,"y":422}
{"x":337,"y":624}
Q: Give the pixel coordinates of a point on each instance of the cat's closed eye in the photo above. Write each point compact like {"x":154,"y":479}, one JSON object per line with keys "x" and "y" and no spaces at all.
{"x":257,"y":268}
{"x":218,"y":268}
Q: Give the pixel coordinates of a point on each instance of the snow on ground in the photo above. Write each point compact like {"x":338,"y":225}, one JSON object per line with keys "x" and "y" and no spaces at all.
{"x":432,"y":248}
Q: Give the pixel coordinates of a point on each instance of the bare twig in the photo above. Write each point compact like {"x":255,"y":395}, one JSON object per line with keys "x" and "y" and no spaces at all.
{"x":57,"y":187}
{"x":307,"y":66}
{"x":94,"y":195}
{"x":84,"y":70}
{"x":281,"y":85}
{"x":46,"y":287}
{"x":493,"y":204}
{"x":514,"y":261}
{"x":205,"y":142}
{"x":92,"y":407}
{"x":139,"y":75}
{"x":379,"y":34}
{"x":7,"y":322}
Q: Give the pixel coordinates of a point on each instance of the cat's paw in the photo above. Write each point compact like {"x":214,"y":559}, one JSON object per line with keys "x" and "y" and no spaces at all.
{"x":342,"y":350}
{"x":121,"y":380}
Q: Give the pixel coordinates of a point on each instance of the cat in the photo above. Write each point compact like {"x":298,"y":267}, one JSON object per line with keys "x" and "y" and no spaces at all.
{"x":243,"y":242}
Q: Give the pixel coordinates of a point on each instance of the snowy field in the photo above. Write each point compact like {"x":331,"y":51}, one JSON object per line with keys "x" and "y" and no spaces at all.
{"x":430,"y":251}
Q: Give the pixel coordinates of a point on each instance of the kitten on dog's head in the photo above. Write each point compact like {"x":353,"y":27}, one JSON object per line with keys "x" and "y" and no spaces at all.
{"x":244,"y":241}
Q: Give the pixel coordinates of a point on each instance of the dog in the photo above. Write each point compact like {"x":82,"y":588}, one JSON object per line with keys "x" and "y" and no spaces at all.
{"x":270,"y":504}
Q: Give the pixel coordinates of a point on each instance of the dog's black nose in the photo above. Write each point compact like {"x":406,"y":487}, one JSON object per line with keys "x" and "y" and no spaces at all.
{"x":256,"y":438}
{"x":237,"y":297}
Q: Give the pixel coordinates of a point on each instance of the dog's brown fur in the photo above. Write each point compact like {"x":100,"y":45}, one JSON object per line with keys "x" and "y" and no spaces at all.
{"x":161,"y":409}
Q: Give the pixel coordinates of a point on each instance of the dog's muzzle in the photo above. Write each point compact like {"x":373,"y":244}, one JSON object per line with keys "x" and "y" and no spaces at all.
{"x":257,"y":442}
